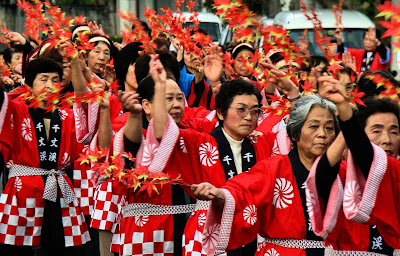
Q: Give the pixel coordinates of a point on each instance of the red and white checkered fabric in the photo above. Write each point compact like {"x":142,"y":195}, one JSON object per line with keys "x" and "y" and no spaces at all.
{"x":21,"y":220}
{"x":192,"y":238}
{"x":106,"y":207}
{"x":75,"y":229}
{"x":116,"y":238}
{"x":22,"y":210}
{"x":83,"y":188}
{"x":194,"y":247}
{"x":148,"y":244}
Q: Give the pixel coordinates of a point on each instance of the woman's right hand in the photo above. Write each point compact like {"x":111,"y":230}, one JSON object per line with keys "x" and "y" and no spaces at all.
{"x":331,"y":89}
{"x":130,"y":101}
{"x":207,"y":191}
{"x":157,"y":70}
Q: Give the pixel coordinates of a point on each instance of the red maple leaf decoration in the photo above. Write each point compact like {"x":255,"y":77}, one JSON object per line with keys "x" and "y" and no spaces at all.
{"x":307,"y":85}
{"x":356,"y":97}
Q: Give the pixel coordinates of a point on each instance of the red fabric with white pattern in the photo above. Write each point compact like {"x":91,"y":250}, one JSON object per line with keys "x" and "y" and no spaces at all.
{"x":107,"y":206}
{"x":21,"y":204}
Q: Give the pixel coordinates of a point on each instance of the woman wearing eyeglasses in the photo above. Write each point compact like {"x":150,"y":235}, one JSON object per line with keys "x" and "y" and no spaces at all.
{"x":197,"y":157}
{"x":270,"y":199}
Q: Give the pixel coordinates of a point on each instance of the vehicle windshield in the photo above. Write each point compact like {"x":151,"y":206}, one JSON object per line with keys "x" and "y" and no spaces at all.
{"x":212,"y":28}
{"x":352,"y":38}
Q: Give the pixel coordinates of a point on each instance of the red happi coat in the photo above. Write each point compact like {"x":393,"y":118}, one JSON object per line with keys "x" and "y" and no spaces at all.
{"x":375,"y":201}
{"x":194,"y":156}
{"x":377,"y":63}
{"x":265,"y":201}
{"x":107,"y":196}
{"x":329,"y":222}
{"x":185,"y":152}
{"x":201,"y":95}
{"x":22,"y":203}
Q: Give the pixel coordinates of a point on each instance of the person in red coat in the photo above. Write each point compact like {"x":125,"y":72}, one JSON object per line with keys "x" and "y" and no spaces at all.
{"x":375,"y":56}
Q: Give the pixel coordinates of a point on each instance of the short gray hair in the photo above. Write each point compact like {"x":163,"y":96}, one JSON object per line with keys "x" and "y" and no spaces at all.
{"x":300,"y":112}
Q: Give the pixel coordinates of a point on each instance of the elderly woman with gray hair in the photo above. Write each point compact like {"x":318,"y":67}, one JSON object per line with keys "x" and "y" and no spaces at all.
{"x":270,"y":198}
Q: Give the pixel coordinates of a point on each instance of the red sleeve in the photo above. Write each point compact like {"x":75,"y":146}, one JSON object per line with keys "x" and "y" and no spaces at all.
{"x":375,"y":200}
{"x":115,"y":107}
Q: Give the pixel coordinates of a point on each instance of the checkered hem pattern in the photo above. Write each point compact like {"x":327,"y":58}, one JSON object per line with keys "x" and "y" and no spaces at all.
{"x":194,"y":247}
{"x":296,"y":243}
{"x":144,"y":209}
{"x":75,"y":229}
{"x":329,"y":251}
{"x":84,"y":191}
{"x":148,"y":244}
{"x":21,"y":221}
{"x":106,"y":207}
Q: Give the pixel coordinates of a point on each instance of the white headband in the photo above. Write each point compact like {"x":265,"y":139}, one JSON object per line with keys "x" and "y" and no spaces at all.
{"x":79,"y":29}
{"x":99,"y":39}
{"x":44,"y":48}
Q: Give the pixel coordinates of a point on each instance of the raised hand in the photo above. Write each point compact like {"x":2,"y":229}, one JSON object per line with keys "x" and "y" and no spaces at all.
{"x":331,"y":89}
{"x":213,"y":63}
{"x":17,"y":69}
{"x":16,"y":37}
{"x":282,"y":81}
{"x":96,"y":29}
{"x":339,"y":36}
{"x":303,"y":45}
{"x":62,"y":45}
{"x":349,"y":60}
{"x":108,"y":73}
{"x":157,"y":70}
{"x":130,"y":101}
{"x":16,"y":78}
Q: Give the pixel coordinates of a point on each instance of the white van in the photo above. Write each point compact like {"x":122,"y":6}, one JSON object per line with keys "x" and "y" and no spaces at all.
{"x":227,"y":33}
{"x":211,"y":23}
{"x":355,"y":25}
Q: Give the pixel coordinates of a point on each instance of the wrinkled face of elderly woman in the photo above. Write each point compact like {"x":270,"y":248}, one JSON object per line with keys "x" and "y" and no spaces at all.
{"x":317,"y":133}
{"x":382,"y":129}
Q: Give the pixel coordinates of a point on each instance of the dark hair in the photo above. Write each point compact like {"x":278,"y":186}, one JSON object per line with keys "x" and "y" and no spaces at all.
{"x":276,"y":57}
{"x":345,"y":69}
{"x":373,"y":106}
{"x":366,"y":85}
{"x":41,"y":65}
{"x":145,"y":27}
{"x":229,"y":90}
{"x":9,"y":52}
{"x":160,"y":42}
{"x":142,"y":67}
{"x":169,"y":62}
{"x":317,"y":59}
{"x":146,"y":89}
{"x":126,"y":57}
